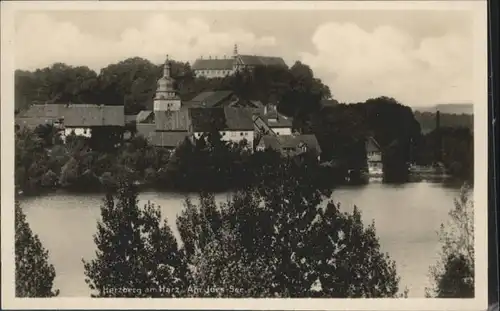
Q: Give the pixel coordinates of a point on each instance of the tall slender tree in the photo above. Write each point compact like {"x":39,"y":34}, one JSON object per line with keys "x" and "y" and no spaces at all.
{"x":453,"y":274}
{"x":34,"y":274}
{"x":137,"y":254}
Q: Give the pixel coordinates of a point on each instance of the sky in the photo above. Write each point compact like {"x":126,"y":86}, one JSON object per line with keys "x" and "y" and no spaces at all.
{"x":421,"y":58}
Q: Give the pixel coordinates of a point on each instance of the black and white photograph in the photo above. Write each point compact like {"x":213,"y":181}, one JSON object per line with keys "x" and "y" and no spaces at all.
{"x":250,"y":152}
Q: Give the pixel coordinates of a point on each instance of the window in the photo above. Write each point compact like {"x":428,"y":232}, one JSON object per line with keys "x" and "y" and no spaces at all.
{"x":223,"y":133}
{"x":241,"y":134}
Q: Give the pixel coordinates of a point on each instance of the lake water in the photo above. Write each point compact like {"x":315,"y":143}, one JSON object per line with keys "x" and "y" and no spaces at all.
{"x":406,"y":217}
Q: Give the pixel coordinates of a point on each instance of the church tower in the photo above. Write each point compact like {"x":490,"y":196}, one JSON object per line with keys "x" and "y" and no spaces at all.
{"x":236,"y":66}
{"x":166,"y":98}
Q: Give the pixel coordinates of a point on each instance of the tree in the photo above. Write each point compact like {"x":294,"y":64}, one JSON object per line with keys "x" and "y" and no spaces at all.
{"x":34,"y":275}
{"x":137,"y":254}
{"x":278,"y":240}
{"x":453,"y":275}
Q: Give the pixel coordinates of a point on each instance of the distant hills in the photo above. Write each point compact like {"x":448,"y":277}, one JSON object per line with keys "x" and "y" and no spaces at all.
{"x":452,"y":115}
{"x":448,"y":109}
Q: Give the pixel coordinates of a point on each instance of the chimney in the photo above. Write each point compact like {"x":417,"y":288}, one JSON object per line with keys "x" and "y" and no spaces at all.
{"x":201,"y":57}
{"x":209,"y":57}
{"x":439,"y":146}
{"x":215,"y":57}
{"x":438,"y":120}
{"x":265,"y":109}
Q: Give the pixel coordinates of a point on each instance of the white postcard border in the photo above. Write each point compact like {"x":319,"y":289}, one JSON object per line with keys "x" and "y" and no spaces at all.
{"x":480,"y":155}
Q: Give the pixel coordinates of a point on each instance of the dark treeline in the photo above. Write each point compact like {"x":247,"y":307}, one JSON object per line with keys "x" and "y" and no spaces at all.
{"x":132,"y":83}
{"x":341,"y":129}
{"x":44,"y":163}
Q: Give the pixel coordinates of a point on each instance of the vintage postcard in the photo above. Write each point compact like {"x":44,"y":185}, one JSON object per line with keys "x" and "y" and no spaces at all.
{"x":244,"y":155}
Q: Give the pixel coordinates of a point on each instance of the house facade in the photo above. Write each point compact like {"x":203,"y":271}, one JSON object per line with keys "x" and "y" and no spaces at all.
{"x":78,"y":119}
{"x":81,"y":119}
{"x":278,"y":123}
{"x":374,"y":157}
{"x":222,"y":67}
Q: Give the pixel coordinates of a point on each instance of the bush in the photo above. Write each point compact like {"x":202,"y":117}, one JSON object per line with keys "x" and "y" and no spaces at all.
{"x":453,"y":275}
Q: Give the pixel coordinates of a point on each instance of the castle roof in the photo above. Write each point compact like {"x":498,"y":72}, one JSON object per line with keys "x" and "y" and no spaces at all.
{"x":254,"y":60}
{"x":213,"y":64}
{"x":247,"y":60}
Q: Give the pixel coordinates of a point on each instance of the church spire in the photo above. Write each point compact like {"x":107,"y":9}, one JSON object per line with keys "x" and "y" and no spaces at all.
{"x":166,"y":68}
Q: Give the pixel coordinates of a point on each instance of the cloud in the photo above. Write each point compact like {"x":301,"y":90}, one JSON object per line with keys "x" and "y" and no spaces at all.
{"x":359,"y":64}
{"x":41,"y":41}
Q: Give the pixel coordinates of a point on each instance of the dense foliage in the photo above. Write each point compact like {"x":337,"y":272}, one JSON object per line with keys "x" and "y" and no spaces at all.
{"x":137,"y":252}
{"x":132,"y":83}
{"x":453,"y":275}
{"x":274,"y":239}
{"x":342,"y":131}
{"x":42,"y":162}
{"x":454,"y":147}
{"x":34,"y":274}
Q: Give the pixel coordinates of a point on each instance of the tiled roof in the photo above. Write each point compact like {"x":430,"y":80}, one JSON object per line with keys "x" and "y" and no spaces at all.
{"x":191,"y":104}
{"x":76,"y":115}
{"x":145,"y":116}
{"x":294,"y":142}
{"x":213,"y":64}
{"x":172,"y":120}
{"x":168,"y":139}
{"x":207,"y":119}
{"x":202,"y":96}
{"x":90,"y":115}
{"x":33,"y":122}
{"x":227,"y":118}
{"x":227,"y":64}
{"x":43,"y":111}
{"x":210,"y":99}
{"x":239,"y":119}
{"x":372,"y":145}
{"x":253,"y":60}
